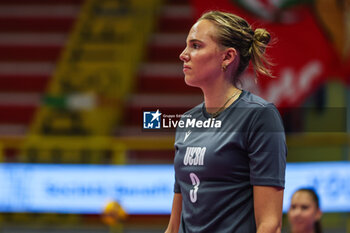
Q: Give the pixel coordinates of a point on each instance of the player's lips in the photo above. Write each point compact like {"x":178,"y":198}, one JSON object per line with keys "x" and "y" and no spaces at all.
{"x":186,"y":67}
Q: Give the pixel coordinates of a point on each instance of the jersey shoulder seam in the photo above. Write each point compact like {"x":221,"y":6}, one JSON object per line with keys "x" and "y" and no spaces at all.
{"x":254,"y":102}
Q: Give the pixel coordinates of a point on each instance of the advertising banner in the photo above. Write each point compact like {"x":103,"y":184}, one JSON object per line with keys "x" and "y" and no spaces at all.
{"x":141,"y":189}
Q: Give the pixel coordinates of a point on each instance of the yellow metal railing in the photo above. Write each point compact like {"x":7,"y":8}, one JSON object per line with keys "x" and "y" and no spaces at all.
{"x":94,"y":75}
{"x":97,"y":68}
{"x":47,"y":148}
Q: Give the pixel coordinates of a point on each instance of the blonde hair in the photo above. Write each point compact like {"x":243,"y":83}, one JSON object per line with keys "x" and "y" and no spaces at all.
{"x":235,"y":32}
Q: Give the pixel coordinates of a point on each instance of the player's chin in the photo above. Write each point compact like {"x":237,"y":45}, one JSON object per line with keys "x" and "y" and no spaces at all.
{"x":298,"y":227}
{"x":190,"y":81}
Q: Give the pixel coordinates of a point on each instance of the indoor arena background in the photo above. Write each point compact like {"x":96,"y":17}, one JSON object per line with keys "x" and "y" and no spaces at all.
{"x":77,"y":79}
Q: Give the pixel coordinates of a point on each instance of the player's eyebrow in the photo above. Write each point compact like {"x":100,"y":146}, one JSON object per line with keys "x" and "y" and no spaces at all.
{"x":195,"y":40}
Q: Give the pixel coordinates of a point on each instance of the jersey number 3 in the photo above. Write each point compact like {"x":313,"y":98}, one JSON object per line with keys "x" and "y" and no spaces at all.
{"x":195,"y":183}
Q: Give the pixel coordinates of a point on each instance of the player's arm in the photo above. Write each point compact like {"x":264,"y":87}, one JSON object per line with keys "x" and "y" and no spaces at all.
{"x":268,"y":203}
{"x":174,"y":222}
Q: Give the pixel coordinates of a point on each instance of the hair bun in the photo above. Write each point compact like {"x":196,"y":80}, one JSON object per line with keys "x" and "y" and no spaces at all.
{"x":262,"y":35}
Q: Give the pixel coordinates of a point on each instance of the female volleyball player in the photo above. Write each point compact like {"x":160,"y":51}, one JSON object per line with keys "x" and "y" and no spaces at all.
{"x":228,"y":177}
{"x":304,"y":214}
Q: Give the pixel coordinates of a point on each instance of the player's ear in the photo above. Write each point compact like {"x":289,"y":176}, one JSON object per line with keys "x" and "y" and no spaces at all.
{"x":229,"y":57}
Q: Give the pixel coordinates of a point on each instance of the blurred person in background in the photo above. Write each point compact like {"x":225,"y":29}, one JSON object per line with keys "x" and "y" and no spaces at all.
{"x":236,"y":182}
{"x":304,"y":214}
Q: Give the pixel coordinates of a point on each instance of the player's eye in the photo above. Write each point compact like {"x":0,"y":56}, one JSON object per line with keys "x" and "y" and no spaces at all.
{"x":196,"y":45}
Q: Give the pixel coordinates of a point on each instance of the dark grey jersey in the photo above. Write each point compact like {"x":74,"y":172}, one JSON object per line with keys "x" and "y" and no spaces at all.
{"x":216,"y":168}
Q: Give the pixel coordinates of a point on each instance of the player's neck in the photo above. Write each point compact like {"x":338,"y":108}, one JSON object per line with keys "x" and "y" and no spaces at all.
{"x":311,"y":230}
{"x":216,"y":96}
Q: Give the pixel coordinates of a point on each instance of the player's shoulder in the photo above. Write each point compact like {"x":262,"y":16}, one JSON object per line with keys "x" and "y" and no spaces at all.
{"x":262,"y":112}
{"x":194,"y":111}
{"x":256,"y":104}
{"x":249,"y":99}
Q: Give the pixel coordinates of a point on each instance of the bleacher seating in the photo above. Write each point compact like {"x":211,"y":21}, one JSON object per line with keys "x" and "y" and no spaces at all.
{"x":32,"y":35}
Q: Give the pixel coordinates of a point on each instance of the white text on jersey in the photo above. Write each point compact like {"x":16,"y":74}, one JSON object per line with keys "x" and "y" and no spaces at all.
{"x":194,"y":156}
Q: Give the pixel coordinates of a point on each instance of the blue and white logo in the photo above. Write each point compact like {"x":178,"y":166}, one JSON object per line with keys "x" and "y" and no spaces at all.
{"x":151,"y":120}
